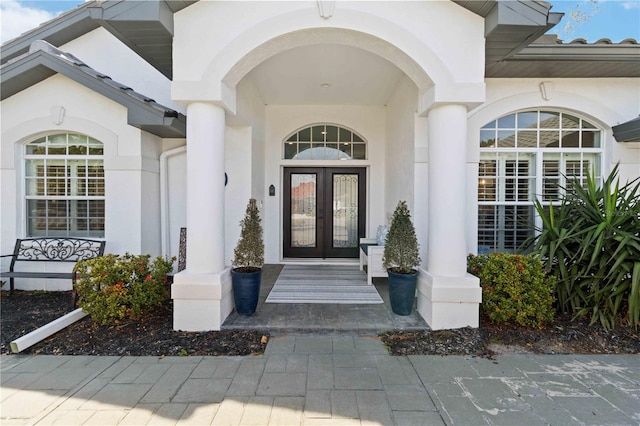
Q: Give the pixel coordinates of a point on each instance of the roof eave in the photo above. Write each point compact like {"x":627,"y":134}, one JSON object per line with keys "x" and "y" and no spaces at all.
{"x":512,"y":25}
{"x":628,"y":131}
{"x":571,"y":52}
{"x":121,"y":19}
{"x":57,"y":32}
{"x":40,"y":65}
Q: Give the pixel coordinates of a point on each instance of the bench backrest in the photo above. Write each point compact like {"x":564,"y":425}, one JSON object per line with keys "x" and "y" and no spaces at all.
{"x":49,"y":249}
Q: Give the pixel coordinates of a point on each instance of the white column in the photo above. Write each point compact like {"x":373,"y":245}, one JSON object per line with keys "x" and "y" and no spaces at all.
{"x":205,"y":188}
{"x":202,"y":296}
{"x":447,"y":190}
{"x":448,"y":297}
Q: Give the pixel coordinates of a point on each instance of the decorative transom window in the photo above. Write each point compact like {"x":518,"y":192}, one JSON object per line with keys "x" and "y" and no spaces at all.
{"x":64,"y":186}
{"x":524,"y":156}
{"x":325,"y":142}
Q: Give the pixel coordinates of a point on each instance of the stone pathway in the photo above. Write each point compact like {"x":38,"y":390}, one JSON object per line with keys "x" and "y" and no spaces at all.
{"x":324,"y":318}
{"x":320,"y":380}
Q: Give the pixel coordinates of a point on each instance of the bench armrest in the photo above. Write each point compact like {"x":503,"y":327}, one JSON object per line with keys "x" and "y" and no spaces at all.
{"x":368,"y":241}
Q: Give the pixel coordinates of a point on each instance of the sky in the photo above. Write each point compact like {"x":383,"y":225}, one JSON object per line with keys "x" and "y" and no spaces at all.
{"x":613,"y":19}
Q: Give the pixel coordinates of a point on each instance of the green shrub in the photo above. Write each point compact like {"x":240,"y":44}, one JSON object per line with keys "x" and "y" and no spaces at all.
{"x":514,"y":288}
{"x":248,"y":255}
{"x":401,"y":251}
{"x":112,"y":288}
{"x":590,"y":242}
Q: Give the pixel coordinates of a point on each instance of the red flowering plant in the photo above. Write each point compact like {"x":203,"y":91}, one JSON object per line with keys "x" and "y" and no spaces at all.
{"x":113,"y":288}
{"x":515,"y":288}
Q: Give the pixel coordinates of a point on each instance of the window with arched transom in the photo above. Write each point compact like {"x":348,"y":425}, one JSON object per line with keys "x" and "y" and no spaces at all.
{"x":324,"y":142}
{"x":524,"y":156}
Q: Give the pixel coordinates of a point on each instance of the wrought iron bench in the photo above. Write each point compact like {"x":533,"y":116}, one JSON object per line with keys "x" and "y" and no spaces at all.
{"x":371,"y":255}
{"x":49,"y":249}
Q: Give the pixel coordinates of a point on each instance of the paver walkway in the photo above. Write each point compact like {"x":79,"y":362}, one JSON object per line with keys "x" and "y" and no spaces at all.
{"x":320,"y":380}
{"x":302,"y":318}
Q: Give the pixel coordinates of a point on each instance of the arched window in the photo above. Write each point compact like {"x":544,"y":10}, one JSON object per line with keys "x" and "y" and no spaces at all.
{"x":64,"y":186}
{"x":325,"y":142}
{"x":524,"y":156}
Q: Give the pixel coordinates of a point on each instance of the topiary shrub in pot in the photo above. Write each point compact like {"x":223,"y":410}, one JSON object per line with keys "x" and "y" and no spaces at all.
{"x":248,"y":259}
{"x":400,"y":258}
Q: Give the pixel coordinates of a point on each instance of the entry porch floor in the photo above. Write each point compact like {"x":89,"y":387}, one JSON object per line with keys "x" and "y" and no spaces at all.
{"x":280,"y":318}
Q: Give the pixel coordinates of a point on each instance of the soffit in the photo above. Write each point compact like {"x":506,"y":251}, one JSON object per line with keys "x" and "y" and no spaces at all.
{"x":146,"y":27}
{"x":511,"y":25}
{"x":548,"y":57}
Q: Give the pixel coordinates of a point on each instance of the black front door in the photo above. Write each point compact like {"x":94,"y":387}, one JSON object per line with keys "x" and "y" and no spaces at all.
{"x":324,"y":211}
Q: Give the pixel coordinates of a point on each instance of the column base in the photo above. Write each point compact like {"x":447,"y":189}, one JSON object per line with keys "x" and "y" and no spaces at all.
{"x":201,"y":302}
{"x":449,"y":302}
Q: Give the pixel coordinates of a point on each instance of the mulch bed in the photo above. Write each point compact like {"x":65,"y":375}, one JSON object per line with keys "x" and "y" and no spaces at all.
{"x":25,"y":311}
{"x":563,"y":336}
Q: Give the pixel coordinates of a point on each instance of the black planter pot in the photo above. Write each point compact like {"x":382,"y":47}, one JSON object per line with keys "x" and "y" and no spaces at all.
{"x":246,"y":290}
{"x":402,"y":292}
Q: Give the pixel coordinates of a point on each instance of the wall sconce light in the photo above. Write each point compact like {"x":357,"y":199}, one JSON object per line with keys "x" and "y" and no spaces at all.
{"x":272,"y":191}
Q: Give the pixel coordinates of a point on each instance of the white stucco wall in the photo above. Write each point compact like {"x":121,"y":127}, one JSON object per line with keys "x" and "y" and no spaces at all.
{"x":400,"y":146}
{"x":417,"y":37}
{"x":130,"y":162}
{"x":174,"y":187}
{"x":251,"y":112}
{"x":105,"y":53}
{"x":238,"y":163}
{"x":150,"y":194}
{"x":281,"y":120}
{"x":238,"y":160}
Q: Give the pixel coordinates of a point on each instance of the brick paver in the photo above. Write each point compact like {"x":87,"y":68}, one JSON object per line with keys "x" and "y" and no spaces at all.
{"x":323,"y":380}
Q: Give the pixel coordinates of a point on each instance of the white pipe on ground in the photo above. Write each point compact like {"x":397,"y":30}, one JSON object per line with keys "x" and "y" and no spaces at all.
{"x":45,"y":331}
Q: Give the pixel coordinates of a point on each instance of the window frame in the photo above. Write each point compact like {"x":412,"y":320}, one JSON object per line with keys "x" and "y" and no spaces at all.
{"x":588,"y":157}
{"x":355,"y":140}
{"x":77,"y":181}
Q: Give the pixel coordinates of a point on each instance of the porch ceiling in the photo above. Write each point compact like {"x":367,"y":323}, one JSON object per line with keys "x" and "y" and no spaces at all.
{"x":300,"y":77}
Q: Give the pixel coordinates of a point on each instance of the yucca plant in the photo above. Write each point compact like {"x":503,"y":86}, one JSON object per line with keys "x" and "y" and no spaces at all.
{"x":590,"y":242}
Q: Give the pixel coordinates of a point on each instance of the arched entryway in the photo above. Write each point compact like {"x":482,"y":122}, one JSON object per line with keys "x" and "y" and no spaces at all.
{"x":370,"y":67}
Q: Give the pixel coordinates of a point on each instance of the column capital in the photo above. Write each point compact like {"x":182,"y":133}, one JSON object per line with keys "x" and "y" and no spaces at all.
{"x":470,"y":95}
{"x":187,"y":92}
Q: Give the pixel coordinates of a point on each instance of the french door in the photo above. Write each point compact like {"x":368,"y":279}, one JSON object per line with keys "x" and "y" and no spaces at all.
{"x":324,"y":211}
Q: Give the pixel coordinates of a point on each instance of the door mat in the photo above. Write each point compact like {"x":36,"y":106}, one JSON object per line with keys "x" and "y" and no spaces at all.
{"x":343,"y":284}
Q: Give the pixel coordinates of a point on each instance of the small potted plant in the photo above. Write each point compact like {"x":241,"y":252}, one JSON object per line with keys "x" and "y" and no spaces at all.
{"x":400,"y":258}
{"x":248,"y":259}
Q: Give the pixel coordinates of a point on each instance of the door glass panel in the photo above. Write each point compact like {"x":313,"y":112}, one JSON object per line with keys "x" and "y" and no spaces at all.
{"x":345,"y":210}
{"x":303,"y":210}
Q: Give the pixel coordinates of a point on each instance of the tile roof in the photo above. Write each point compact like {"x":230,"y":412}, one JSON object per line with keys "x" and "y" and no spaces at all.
{"x":44,"y":60}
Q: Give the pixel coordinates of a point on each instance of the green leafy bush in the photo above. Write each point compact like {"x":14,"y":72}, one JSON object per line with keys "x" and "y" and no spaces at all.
{"x":112,"y":288}
{"x":514,"y":288}
{"x":590,"y":242}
